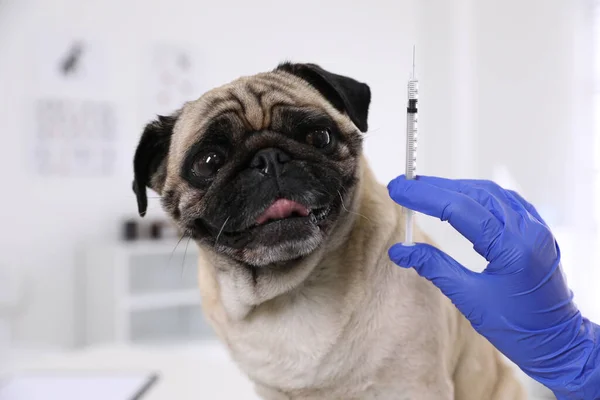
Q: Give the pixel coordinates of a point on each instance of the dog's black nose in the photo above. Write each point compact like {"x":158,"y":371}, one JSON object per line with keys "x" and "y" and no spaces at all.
{"x":270,"y":161}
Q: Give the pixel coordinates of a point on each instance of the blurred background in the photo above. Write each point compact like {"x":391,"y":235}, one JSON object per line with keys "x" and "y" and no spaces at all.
{"x":508,"y":91}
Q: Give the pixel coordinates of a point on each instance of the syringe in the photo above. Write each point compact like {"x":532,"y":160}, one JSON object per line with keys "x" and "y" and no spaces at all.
{"x":411,"y":144}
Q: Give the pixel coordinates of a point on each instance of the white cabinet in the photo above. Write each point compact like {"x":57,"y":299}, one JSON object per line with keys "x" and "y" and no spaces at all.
{"x":141,"y":291}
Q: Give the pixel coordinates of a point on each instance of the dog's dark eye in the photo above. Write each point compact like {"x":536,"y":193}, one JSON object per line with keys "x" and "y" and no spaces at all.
{"x":208,"y":164}
{"x":320,"y":138}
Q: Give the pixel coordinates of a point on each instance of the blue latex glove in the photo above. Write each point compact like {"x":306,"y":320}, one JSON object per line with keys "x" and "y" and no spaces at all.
{"x":520,"y":302}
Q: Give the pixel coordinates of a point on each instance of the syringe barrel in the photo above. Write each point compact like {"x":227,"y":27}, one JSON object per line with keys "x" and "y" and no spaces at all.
{"x":413,"y":89}
{"x":408,"y":230}
{"x":411,"y":129}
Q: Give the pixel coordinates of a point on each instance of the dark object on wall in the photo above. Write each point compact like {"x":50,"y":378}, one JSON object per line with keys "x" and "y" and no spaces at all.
{"x":156,"y":230}
{"x":70,"y":63}
{"x":130,"y":230}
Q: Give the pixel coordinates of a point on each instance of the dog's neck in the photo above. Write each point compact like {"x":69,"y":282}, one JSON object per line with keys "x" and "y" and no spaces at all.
{"x":242,"y":290}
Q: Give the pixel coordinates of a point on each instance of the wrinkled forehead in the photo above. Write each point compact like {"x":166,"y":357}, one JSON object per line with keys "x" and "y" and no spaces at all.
{"x":252,"y":104}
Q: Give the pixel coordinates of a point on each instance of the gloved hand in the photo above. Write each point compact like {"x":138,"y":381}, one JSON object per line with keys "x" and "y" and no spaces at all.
{"x":520,"y":302}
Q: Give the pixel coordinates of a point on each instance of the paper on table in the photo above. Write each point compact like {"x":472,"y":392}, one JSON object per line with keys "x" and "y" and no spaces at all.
{"x":76,"y":386}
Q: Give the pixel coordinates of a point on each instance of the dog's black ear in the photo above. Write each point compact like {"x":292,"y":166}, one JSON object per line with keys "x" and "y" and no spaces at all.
{"x":346,"y":94}
{"x":149,"y":162}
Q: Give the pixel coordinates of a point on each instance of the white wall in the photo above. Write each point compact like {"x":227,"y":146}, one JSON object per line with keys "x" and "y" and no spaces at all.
{"x":495,"y":90}
{"x":506,"y":85}
{"x":499,"y":76}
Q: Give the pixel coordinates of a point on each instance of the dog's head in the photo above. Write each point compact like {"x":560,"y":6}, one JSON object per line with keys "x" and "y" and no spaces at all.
{"x":259,"y":169}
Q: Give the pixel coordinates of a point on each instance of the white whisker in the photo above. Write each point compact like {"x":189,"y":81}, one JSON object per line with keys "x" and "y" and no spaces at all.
{"x":351,"y":212}
{"x":221,"y":231}
{"x":184,"y":254}
{"x":175,"y":248}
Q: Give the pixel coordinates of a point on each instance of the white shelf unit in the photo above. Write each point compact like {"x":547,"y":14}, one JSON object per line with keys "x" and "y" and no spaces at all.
{"x":142,"y":291}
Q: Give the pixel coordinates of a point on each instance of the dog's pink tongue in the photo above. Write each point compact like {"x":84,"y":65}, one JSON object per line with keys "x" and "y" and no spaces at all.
{"x":281,"y":209}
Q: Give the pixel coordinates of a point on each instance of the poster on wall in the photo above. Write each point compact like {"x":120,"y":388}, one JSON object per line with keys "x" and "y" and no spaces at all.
{"x":75,"y":123}
{"x":74,"y":137}
{"x":173,"y":76}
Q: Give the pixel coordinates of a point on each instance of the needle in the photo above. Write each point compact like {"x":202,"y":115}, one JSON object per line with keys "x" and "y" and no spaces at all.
{"x":413,"y":71}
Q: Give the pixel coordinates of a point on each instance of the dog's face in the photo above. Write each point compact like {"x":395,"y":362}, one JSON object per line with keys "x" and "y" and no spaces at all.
{"x":259,"y":169}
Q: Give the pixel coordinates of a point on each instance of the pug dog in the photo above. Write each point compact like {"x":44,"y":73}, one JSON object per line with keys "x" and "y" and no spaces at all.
{"x":267,"y":175}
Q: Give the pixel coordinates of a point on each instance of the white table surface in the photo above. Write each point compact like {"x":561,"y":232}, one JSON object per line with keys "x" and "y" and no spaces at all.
{"x":195,"y":371}
{"x":190,"y":371}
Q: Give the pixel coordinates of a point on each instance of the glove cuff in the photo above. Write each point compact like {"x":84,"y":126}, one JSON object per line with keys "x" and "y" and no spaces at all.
{"x":586,"y":382}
